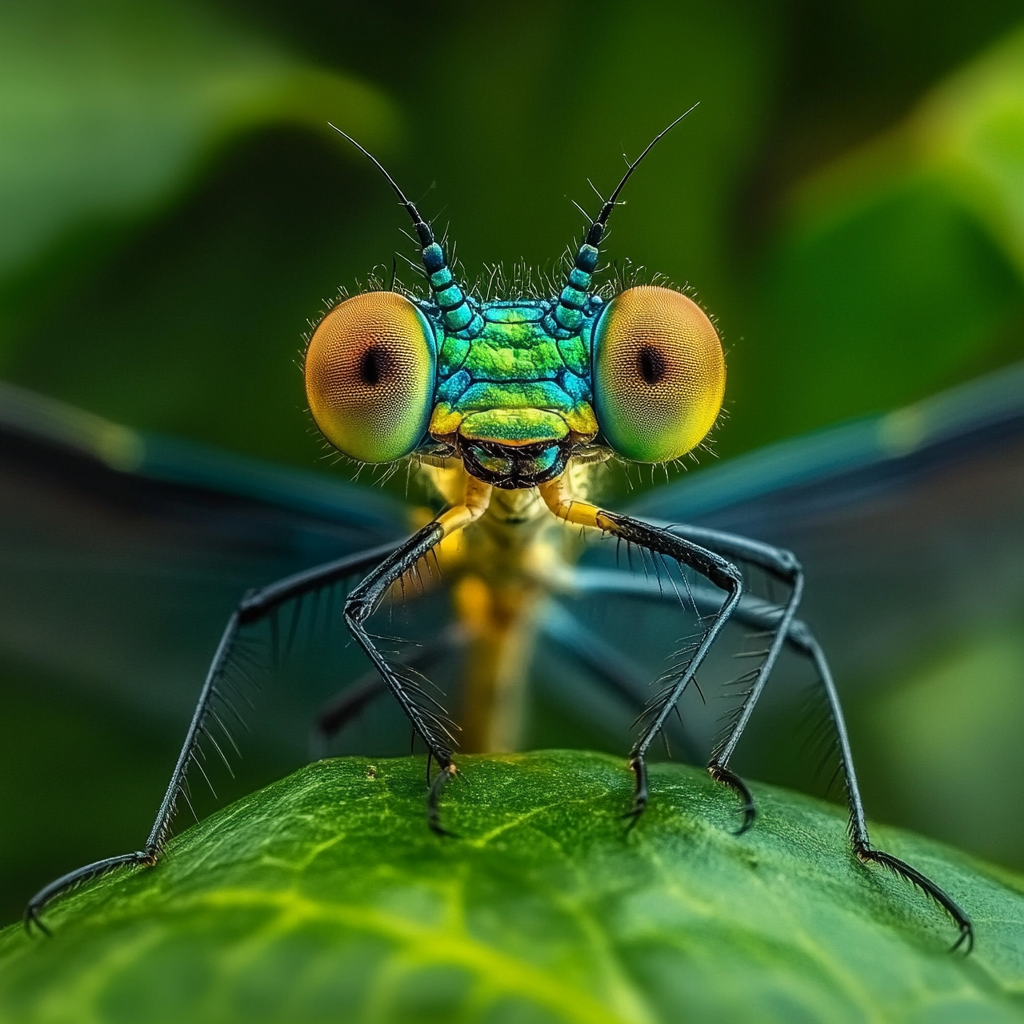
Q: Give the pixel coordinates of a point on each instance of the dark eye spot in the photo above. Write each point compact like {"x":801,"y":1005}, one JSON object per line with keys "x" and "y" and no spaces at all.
{"x":374,"y":366}
{"x":651,"y":364}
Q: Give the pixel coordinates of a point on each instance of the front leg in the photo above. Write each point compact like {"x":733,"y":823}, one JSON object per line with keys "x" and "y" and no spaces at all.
{"x":658,"y":540}
{"x":428,"y":718}
{"x":784,"y":566}
{"x":350,"y":702}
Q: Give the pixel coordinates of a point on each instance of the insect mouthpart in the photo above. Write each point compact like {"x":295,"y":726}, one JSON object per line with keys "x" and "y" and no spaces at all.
{"x":511,"y":466}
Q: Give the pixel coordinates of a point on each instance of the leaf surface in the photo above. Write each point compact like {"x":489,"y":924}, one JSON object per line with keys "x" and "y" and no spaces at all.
{"x":325,"y":897}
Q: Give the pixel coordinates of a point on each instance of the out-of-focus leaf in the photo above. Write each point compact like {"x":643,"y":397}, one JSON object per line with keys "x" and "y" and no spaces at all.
{"x":951,"y":735}
{"x":968,"y":134}
{"x":107,"y":108}
{"x":900,"y":267}
{"x":325,"y":897}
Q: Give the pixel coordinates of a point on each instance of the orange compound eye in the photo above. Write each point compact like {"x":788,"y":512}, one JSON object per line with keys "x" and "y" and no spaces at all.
{"x":659,"y":374}
{"x":370,"y":376}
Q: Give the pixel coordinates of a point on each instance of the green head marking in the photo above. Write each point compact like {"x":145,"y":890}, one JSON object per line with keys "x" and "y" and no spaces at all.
{"x":518,"y":386}
{"x":514,"y":400}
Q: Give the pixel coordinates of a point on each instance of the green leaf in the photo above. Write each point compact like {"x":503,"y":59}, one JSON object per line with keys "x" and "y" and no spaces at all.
{"x":967,"y":134}
{"x":108,"y":108}
{"x":325,"y":897}
{"x":899,"y":268}
{"x":949,"y":729}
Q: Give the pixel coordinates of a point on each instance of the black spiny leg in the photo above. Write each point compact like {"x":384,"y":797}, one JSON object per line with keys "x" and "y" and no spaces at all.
{"x":336,"y":714}
{"x":658,"y":540}
{"x":788,"y":629}
{"x":779,"y":562}
{"x":428,"y":718}
{"x":858,"y":825}
{"x":255,"y":606}
{"x":783,"y":566}
{"x":763,"y":615}
{"x":717,"y":570}
{"x":747,"y":806}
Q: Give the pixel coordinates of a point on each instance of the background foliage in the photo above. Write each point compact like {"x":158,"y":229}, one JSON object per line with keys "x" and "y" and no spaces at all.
{"x":848,"y":199}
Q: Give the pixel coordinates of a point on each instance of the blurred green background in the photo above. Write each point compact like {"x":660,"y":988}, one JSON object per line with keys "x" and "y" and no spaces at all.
{"x":848,"y":200}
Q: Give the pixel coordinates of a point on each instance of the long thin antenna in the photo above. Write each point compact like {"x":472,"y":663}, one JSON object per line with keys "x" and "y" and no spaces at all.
{"x":609,"y":203}
{"x":457,"y":310}
{"x":568,"y":313}
{"x":426,"y":236}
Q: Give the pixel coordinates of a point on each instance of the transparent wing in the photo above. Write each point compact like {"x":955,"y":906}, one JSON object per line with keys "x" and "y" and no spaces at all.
{"x":121,"y":555}
{"x":910,"y":526}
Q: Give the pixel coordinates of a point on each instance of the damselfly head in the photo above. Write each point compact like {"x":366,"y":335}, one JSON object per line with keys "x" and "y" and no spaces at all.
{"x":515,"y":387}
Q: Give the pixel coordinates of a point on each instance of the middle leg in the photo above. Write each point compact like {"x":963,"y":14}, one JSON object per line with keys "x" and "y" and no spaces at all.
{"x":763,"y":615}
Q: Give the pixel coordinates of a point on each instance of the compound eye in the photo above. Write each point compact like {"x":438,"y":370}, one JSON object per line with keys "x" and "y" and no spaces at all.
{"x":659,"y":374}
{"x":370,"y":376}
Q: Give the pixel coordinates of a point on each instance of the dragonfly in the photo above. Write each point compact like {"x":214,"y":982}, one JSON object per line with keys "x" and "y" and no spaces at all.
{"x":506,"y":407}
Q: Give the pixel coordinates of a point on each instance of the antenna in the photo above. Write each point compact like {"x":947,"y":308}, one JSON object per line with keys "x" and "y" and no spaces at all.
{"x":458,"y":312}
{"x":569,"y":311}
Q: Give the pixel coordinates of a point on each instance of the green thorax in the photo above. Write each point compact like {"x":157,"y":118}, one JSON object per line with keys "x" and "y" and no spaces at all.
{"x":518,"y":380}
